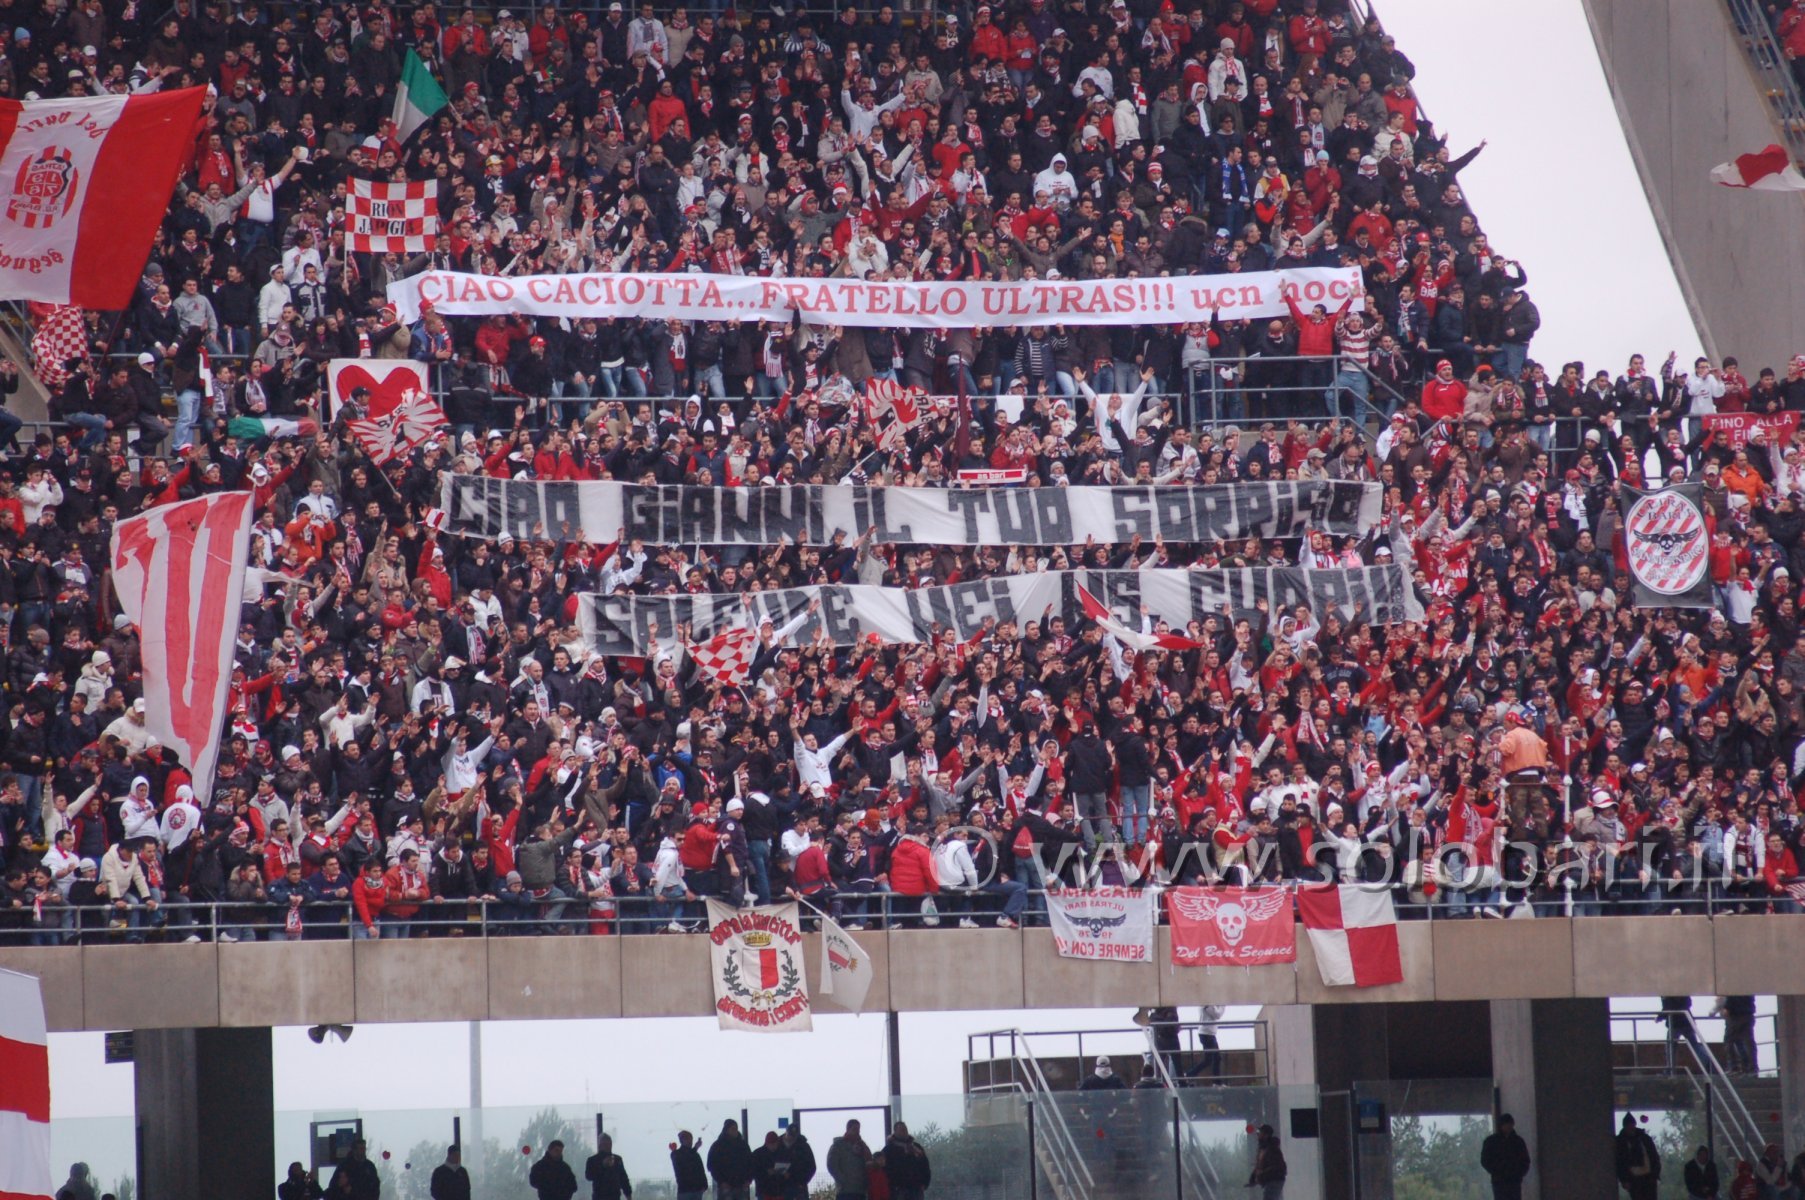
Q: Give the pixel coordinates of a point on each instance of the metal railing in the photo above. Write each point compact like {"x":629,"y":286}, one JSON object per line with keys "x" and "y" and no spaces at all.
{"x":1062,"y":1158}
{"x":1001,"y":1046}
{"x":565,"y":913}
{"x":1774,"y":70}
{"x":1699,"y":1066}
{"x":1308,"y":388}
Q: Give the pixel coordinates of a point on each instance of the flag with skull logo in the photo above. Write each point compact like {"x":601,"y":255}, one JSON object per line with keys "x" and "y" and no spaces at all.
{"x":1667,"y":540}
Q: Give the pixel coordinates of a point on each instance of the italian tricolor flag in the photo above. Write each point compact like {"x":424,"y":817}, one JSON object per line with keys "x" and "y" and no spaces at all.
{"x":418,"y":97}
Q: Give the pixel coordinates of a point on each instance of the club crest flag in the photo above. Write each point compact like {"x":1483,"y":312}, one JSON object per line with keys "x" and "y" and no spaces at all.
{"x":1668,"y":543}
{"x":845,"y":967}
{"x":400,"y":414}
{"x":755,"y":955}
{"x":1353,"y":933}
{"x":25,"y":1172}
{"x":84,"y":185}
{"x":179,"y":573}
{"x":391,"y":218}
{"x":1231,"y":926}
{"x":1106,"y":924}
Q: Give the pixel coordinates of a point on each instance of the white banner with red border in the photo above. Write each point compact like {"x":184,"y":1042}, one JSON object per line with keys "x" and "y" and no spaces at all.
{"x":1105,"y":924}
{"x":755,"y":956}
{"x":873,"y":303}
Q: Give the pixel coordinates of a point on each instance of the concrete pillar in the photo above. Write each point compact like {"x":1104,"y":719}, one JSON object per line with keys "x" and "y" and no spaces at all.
{"x":1789,"y":1054}
{"x":206,"y":1114}
{"x":1328,"y":1047}
{"x":1551,"y":1062}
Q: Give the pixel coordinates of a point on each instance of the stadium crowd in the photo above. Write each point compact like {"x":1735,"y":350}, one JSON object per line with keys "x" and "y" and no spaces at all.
{"x":420,"y":741}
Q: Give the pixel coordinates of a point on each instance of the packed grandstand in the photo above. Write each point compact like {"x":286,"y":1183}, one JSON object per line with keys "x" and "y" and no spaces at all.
{"x":423,"y":738}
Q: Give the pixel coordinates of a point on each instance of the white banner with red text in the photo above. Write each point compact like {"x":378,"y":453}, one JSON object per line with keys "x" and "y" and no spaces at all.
{"x":179,"y":572}
{"x":813,"y":514}
{"x":628,"y":625}
{"x":860,"y":302}
{"x":755,"y":956}
{"x":1105,"y":924}
{"x":84,"y":184}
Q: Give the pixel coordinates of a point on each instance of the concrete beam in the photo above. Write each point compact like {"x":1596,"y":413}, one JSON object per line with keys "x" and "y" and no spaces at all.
{"x":917,"y":970}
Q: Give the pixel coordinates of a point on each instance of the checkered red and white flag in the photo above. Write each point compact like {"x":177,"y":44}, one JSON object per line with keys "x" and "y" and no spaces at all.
{"x":727,"y":656}
{"x":384,"y":218}
{"x":1354,"y":933}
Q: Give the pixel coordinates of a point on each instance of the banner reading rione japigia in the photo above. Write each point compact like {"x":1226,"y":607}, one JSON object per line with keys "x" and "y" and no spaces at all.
{"x":902,"y":304}
{"x":851,"y":613}
{"x":811,"y":514}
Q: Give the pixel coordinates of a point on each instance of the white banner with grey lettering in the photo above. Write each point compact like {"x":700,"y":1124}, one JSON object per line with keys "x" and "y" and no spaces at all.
{"x":812,"y":514}
{"x":846,"y":614}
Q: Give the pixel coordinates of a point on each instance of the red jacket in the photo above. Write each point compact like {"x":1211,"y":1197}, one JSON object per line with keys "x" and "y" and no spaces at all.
{"x":912,"y":869}
{"x":368,"y":900}
{"x":1444,"y":401}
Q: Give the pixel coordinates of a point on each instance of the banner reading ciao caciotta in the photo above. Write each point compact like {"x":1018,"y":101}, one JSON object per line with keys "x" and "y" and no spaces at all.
{"x":860,"y":302}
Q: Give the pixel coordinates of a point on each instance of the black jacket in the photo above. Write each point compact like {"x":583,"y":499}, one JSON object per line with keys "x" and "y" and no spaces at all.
{"x":608,"y":1178}
{"x":553,"y":1179}
{"x":1505,"y":1156}
{"x":686,"y":1165}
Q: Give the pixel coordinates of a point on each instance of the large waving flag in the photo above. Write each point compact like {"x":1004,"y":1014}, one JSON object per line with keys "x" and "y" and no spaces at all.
{"x":179,"y":571}
{"x":1097,"y":611}
{"x":1769,"y":170}
{"x":84,"y":183}
{"x":845,"y":966}
{"x":24,"y":1090}
{"x":417,"y":98}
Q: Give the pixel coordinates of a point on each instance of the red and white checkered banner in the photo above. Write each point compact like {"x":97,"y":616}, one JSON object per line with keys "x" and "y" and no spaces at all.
{"x":727,"y":657}
{"x":1354,"y":933}
{"x":1668,"y":542}
{"x":391,"y":218}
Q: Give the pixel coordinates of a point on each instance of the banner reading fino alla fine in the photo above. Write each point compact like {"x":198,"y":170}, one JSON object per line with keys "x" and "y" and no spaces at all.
{"x":903,"y":304}
{"x":812,"y":514}
{"x":848,"y":614}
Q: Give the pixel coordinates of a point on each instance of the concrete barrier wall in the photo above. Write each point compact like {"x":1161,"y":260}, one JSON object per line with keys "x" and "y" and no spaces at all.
{"x":511,"y":979}
{"x":1689,"y":99}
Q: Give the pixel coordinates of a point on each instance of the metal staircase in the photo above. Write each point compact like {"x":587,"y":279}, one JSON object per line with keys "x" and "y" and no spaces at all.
{"x":1744,"y":1110}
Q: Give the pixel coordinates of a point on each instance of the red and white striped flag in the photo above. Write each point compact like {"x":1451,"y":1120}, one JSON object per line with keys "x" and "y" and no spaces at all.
{"x":1097,"y":611}
{"x":1769,"y":170}
{"x":84,"y":183}
{"x":384,"y":218}
{"x":727,"y":657}
{"x":24,"y":1091}
{"x":179,"y":572}
{"x":1354,"y":933}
